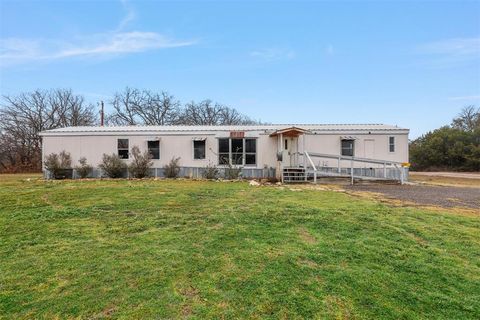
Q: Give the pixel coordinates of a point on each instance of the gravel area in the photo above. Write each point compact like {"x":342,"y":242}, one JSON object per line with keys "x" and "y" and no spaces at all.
{"x":448,"y":197}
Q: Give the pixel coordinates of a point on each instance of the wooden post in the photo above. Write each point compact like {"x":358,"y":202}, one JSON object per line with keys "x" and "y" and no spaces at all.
{"x":280,"y":163}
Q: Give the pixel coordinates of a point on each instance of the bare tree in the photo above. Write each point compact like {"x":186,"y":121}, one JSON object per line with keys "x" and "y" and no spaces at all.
{"x":24,"y":115}
{"x":134,"y":107}
{"x":468,"y":119}
{"x":208,"y":113}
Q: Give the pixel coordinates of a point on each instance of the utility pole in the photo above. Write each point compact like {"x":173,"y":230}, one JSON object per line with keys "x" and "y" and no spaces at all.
{"x":101,"y":113}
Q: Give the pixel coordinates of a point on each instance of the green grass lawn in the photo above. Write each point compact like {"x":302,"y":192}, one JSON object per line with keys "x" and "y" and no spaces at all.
{"x":179,"y":249}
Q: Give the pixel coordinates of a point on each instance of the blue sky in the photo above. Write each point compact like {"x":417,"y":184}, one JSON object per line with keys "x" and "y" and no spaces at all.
{"x":413,"y":64}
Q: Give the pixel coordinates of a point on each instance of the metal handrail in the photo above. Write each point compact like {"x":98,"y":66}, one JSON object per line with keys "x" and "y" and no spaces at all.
{"x":397,"y":165}
{"x":311,"y":161}
{"x":313,"y":166}
{"x":331,"y":156}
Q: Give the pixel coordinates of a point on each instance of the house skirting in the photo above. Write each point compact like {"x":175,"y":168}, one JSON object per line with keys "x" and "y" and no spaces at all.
{"x":185,"y":172}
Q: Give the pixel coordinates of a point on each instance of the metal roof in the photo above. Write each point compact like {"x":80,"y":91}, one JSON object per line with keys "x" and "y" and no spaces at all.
{"x":264,"y":127}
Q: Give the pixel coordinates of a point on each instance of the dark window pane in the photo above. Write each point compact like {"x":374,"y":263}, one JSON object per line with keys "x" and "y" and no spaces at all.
{"x":154,"y":153}
{"x":154,"y":149}
{"x":347,"y":148}
{"x":153,"y":144}
{"x":122,"y":143}
{"x":250,"y":158}
{"x":223,"y":146}
{"x":237,"y":145}
{"x":237,"y":158}
{"x":123,"y":154}
{"x":199,"y":149}
{"x":251,"y":145}
{"x":223,"y":158}
{"x":392,"y":144}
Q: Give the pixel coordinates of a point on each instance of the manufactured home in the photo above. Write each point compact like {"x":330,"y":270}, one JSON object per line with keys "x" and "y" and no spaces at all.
{"x":287,"y":152}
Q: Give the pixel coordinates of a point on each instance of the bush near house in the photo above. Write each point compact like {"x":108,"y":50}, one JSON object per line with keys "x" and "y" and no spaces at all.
{"x":232,"y":173}
{"x":211,"y":172}
{"x":172,"y":169}
{"x":141,"y":163}
{"x":84,"y":169}
{"x":58,"y":164}
{"x":113,"y":166}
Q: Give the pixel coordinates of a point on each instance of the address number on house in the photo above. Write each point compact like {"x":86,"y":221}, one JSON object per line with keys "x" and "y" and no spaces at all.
{"x":237,"y":134}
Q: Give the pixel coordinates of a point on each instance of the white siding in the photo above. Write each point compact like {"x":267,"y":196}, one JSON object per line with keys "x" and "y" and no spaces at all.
{"x":180,"y":145}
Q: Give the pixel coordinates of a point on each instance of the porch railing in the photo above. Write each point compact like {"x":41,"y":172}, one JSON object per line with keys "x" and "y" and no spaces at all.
{"x":353,"y":167}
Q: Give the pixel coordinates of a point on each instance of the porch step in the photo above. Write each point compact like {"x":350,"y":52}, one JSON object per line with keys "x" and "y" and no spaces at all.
{"x":294,"y":175}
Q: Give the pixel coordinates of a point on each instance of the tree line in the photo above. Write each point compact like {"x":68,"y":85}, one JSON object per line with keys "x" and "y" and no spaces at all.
{"x":24,"y":115}
{"x":451,"y":147}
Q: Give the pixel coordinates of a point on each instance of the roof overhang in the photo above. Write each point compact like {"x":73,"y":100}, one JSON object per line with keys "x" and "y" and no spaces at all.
{"x":348,"y":138}
{"x":289,"y":132}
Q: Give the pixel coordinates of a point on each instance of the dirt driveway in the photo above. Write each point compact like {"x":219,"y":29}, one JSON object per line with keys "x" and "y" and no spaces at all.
{"x":443,"y":196}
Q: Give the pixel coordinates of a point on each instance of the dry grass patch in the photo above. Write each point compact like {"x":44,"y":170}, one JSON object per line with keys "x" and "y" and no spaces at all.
{"x":306,"y":236}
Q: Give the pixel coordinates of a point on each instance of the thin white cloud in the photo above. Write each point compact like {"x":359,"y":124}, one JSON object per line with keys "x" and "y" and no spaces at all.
{"x":273,"y":54}
{"x":130,"y":15}
{"x":476,"y":97}
{"x":458,"y":46}
{"x":125,"y":42}
{"x":15,"y":51}
{"x":451,"y":52}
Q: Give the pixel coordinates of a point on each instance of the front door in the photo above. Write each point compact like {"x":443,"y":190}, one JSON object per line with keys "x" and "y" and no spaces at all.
{"x":289,"y":151}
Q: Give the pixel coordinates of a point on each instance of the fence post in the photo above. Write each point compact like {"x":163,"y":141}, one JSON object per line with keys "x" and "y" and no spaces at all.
{"x":339,"y":170}
{"x":385,"y":170}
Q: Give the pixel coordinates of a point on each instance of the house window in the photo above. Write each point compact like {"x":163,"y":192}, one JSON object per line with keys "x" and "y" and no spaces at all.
{"x":122,"y":145}
{"x":250,"y":151}
{"x":237,"y":151}
{"x":223,"y":151}
{"x":154,"y":149}
{"x":347,"y":147}
{"x":391,"y":144}
{"x":199,"y":149}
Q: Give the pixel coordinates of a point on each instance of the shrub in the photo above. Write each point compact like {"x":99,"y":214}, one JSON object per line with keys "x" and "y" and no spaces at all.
{"x":56,"y":164}
{"x":172,"y":169}
{"x":232,"y":173}
{"x":113,"y":165}
{"x":141,"y":163}
{"x":211,"y":172}
{"x":84,"y":168}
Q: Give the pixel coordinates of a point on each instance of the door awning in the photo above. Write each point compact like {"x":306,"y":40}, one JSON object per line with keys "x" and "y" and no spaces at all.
{"x":289,"y":132}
